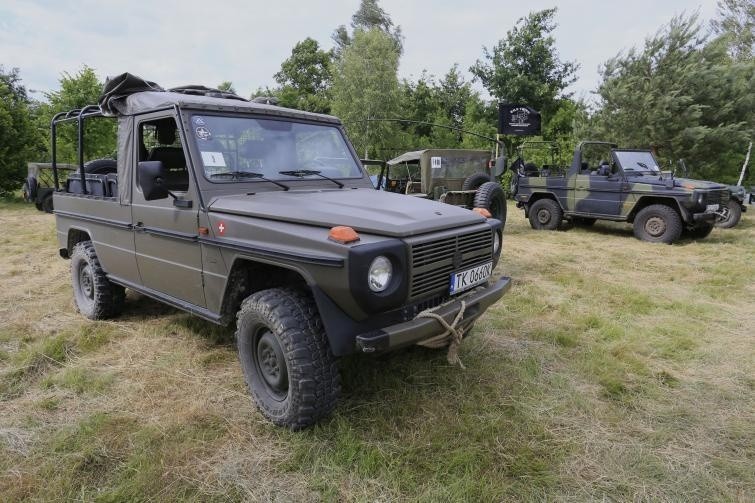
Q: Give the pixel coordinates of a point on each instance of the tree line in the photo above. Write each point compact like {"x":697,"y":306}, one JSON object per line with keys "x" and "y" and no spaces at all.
{"x":686,"y":92}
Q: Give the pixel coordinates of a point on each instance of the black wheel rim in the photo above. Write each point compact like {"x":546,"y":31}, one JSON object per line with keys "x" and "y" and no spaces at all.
{"x":86,"y":281}
{"x":271,"y":364}
{"x":543,"y":216}
{"x":655,"y":226}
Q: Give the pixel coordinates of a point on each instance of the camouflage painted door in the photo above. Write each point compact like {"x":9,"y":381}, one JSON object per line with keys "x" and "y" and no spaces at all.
{"x":596,"y":194}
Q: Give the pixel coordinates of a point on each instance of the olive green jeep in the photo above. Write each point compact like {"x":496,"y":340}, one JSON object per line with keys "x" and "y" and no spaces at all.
{"x":246,"y":212}
{"x":605,"y":182}
{"x":465,"y":178}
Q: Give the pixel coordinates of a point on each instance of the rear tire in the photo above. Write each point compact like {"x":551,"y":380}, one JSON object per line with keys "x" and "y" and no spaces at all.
{"x":95,"y":296}
{"x":545,"y":214}
{"x":658,"y":223}
{"x":286,"y":359}
{"x":46,"y":204}
{"x":491,"y":197}
{"x":734,"y":214}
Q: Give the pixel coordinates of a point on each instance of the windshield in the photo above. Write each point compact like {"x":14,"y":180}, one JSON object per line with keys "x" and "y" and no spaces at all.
{"x":637,"y":162}
{"x":233,"y":147}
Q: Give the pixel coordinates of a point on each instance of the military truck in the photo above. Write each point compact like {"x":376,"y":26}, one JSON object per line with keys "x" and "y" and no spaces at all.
{"x":624,"y":185}
{"x":464,"y":178}
{"x":239,"y":211}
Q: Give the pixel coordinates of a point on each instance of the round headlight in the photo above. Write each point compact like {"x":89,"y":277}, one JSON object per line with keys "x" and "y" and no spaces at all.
{"x":496,"y":242}
{"x":379,"y":274}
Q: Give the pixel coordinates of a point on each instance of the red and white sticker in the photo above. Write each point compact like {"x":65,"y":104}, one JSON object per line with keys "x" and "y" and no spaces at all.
{"x":221,"y":228}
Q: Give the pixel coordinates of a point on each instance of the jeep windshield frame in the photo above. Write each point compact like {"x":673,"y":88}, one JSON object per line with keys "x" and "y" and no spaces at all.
{"x":268,"y":145}
{"x":635,"y":162}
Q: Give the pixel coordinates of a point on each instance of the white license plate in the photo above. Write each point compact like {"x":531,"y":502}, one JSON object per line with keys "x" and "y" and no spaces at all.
{"x":711,"y":207}
{"x":464,"y":280}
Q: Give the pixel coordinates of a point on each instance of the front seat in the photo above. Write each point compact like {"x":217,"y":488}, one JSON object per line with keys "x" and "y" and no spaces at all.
{"x":173,"y":158}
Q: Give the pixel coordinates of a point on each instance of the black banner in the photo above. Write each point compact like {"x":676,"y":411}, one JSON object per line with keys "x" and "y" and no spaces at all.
{"x":518,"y":120}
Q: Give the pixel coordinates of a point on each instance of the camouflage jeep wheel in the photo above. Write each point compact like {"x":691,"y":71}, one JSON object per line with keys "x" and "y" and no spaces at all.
{"x":658,"y":223}
{"x":732,"y":212}
{"x":545,"y":214}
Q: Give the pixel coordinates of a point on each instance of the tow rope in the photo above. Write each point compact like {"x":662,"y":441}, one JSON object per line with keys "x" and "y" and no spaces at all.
{"x":451,"y":337}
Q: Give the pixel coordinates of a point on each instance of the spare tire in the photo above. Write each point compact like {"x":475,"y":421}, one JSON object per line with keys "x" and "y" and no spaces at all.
{"x":490,"y":196}
{"x":101,"y":167}
{"x":473,"y":181}
{"x":31,"y":187}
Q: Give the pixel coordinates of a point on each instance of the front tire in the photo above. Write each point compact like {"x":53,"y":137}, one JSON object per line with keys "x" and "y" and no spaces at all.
{"x":658,"y":223}
{"x":733,"y":215}
{"x":545,"y":214}
{"x":702,"y":230}
{"x":287,"y":363}
{"x":95,"y":296}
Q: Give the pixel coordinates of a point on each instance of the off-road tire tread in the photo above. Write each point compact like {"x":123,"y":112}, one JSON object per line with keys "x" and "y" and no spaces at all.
{"x":735,"y":214}
{"x":314,"y":379}
{"x":674,"y":226}
{"x":701,"y":231}
{"x":475,"y":181}
{"x":485,"y":195}
{"x":108,"y":297}
{"x":556,"y":212}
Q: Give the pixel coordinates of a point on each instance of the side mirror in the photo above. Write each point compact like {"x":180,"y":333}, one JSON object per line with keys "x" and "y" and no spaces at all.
{"x":500,"y":166}
{"x":150,"y":176}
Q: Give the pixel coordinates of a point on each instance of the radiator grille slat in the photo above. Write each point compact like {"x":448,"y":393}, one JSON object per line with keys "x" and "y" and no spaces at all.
{"x":433,"y":261}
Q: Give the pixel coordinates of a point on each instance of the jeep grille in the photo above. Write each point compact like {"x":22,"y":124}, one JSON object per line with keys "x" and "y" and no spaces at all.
{"x":716,"y":197}
{"x":433,"y":260}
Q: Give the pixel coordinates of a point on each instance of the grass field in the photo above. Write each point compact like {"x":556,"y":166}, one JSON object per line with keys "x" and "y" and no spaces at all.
{"x":614,"y":370}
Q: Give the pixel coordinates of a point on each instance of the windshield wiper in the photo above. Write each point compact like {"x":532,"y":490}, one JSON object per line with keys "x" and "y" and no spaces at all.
{"x":248,"y":174}
{"x":300,"y":173}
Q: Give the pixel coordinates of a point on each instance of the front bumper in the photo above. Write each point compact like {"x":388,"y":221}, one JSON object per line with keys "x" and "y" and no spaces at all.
{"x":707,"y":216}
{"x":420,"y":329}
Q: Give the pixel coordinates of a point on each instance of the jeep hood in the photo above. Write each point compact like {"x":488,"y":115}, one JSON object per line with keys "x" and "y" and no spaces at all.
{"x":366,"y":210}
{"x":685,"y":183}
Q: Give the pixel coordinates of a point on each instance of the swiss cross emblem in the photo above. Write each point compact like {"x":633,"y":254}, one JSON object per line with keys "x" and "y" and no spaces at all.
{"x":221,"y":228}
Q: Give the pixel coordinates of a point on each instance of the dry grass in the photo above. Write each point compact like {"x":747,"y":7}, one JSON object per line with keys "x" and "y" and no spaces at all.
{"x":614,"y":370}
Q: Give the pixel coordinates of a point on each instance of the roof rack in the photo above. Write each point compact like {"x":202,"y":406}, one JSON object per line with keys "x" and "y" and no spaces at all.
{"x":206,"y":91}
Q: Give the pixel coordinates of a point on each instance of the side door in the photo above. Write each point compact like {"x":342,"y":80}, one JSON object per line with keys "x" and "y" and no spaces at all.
{"x":598,"y":191}
{"x":168,"y":253}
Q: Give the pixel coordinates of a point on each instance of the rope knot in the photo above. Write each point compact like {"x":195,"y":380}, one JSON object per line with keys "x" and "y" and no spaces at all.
{"x":451,"y":337}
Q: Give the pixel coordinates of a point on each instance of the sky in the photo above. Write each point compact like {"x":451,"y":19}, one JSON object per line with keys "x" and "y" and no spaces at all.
{"x":244,"y":41}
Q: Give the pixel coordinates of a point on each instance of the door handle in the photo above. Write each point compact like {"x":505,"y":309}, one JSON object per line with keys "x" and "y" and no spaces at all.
{"x":139,"y":227}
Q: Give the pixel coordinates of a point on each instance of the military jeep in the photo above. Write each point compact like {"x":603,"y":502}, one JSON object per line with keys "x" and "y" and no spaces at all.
{"x":239,"y":211}
{"x":464,"y":178}
{"x":624,"y":185}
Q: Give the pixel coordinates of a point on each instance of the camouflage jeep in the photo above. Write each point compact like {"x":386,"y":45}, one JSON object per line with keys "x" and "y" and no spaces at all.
{"x":623,"y":185}
{"x":465,"y":178}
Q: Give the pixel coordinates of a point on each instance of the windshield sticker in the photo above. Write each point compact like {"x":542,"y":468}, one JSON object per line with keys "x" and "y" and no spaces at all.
{"x":436,"y":162}
{"x":199,"y":121}
{"x":203,"y":133}
{"x":213,"y":159}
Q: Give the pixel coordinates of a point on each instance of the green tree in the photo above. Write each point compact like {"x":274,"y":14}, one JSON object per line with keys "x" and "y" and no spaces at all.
{"x":683,"y":96}
{"x":365,"y":86}
{"x":19,"y":140}
{"x":77,"y":91}
{"x":736,"y":23}
{"x":305,"y":78}
{"x":369,"y":16}
{"x":227,"y":86}
{"x":525,"y":66}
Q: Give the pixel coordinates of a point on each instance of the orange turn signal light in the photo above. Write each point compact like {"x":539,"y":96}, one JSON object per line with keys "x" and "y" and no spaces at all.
{"x":342,"y":234}
{"x":483,"y":211}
